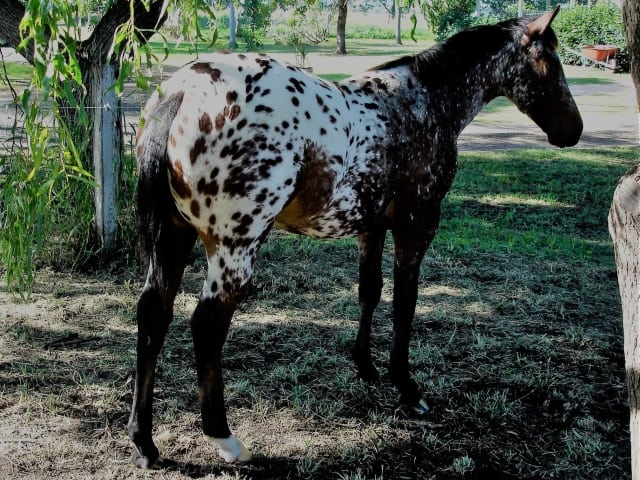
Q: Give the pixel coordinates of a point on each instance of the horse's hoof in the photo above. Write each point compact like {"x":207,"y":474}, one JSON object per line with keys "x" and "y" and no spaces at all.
{"x":368,"y":373}
{"x":145,"y":462}
{"x":420,"y":408}
{"x":231,"y":449}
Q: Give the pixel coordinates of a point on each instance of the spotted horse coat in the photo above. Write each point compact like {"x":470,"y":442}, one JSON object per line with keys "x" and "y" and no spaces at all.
{"x":233,"y":144}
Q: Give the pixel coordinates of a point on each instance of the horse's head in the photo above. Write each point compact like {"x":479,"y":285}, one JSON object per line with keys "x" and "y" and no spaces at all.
{"x":537,"y":85}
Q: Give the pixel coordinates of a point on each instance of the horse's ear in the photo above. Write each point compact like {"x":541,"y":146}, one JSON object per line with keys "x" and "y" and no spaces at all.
{"x":538,"y":26}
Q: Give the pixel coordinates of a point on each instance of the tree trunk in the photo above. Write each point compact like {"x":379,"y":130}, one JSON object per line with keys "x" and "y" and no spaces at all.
{"x":631,"y":18}
{"x":100,"y":70}
{"x":624,"y":227}
{"x":398,"y":14}
{"x":12,"y":13}
{"x":233,"y":43}
{"x":341,"y":47}
{"x":100,"y":142}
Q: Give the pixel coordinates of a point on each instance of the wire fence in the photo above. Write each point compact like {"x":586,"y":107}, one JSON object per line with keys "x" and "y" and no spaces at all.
{"x":13,"y":135}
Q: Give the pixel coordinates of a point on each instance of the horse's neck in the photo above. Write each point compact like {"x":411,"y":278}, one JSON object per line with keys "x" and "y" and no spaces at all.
{"x":470,"y":94}
{"x":464,"y":88}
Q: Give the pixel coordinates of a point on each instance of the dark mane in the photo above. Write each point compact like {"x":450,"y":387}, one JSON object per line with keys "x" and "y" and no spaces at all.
{"x":460,"y":52}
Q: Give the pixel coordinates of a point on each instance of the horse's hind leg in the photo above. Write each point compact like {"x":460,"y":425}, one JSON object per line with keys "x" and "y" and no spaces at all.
{"x":209,"y":327}
{"x":370,"y":247}
{"x":229,"y":272}
{"x":167,"y":259}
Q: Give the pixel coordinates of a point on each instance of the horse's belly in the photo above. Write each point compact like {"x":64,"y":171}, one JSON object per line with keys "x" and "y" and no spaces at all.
{"x":341,"y":216}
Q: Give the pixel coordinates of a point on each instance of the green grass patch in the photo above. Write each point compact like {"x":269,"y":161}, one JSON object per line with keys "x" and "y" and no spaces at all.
{"x":497,"y":104}
{"x":334,"y":77}
{"x":16,"y":71}
{"x":590,"y":81}
{"x":548,"y":203}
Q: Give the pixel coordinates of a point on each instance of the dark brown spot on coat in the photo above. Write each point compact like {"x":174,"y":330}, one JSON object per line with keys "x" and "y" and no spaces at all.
{"x":206,"y":68}
{"x":314,"y":187}
{"x":205,"y":123}
{"x":208,"y":188}
{"x":232,"y":97}
{"x":219,"y":121}
{"x":198,"y":148}
{"x":210,"y":242}
{"x":195,"y":208}
{"x":179,"y":186}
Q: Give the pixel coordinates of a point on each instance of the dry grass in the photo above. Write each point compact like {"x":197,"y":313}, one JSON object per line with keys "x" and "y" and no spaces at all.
{"x":517,"y":344}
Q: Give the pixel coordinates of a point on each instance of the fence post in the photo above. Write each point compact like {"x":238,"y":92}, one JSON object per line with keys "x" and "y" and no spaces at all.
{"x":107,"y":157}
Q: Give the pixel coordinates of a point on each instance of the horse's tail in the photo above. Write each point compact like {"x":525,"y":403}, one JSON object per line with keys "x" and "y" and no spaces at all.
{"x":155,"y":204}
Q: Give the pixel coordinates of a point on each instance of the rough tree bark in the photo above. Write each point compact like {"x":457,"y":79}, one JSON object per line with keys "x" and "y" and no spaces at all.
{"x":101,"y":139}
{"x":624,"y":227}
{"x":100,"y":67}
{"x":341,"y":47}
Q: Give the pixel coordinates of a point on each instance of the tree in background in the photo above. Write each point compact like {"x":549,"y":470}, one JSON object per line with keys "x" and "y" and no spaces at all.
{"x":307,"y":23}
{"x":624,"y":226}
{"x":254,"y":20}
{"x":341,"y":35}
{"x":78,"y":78}
{"x":447,"y":17}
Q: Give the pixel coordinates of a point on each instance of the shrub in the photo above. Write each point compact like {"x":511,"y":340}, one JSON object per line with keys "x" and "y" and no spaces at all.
{"x":447,"y":17}
{"x":370,"y":32}
{"x":580,"y":26}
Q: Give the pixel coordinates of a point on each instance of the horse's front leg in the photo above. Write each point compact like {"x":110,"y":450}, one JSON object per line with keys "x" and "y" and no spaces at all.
{"x":411,"y":244}
{"x":370,"y":247}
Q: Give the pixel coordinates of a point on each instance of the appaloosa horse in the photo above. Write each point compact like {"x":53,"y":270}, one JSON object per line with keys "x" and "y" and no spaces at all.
{"x":235,"y":143}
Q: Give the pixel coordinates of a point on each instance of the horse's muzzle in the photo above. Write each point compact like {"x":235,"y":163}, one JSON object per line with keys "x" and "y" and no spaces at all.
{"x":565,"y":130}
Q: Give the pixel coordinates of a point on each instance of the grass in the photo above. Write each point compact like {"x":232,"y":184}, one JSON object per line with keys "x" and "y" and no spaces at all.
{"x":529,"y":213}
{"x":16,"y":71}
{"x":517,"y":345}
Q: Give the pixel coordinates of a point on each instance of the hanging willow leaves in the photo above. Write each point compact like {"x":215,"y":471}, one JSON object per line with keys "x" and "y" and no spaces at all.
{"x":52,"y":174}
